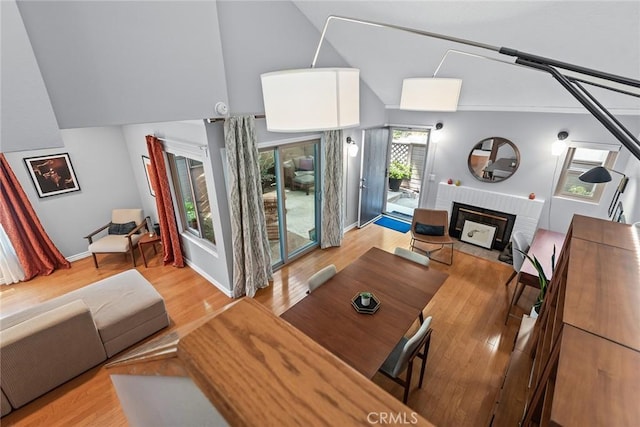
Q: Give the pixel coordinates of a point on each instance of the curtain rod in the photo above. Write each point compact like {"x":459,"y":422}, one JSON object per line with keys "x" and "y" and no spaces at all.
{"x":220,"y":119}
{"x":197,"y":144}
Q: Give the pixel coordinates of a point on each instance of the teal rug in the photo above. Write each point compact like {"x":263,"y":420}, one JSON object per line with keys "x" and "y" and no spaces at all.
{"x":393,"y":224}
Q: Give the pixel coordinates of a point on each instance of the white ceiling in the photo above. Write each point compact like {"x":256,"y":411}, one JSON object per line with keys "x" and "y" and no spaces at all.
{"x":603,"y":35}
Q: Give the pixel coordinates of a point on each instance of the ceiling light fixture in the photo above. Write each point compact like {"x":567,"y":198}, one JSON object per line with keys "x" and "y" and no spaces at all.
{"x":558,"y":146}
{"x":353,"y":147}
{"x":293,"y":102}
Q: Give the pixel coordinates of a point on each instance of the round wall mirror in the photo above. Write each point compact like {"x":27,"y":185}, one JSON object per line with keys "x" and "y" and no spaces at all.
{"x":493,"y":159}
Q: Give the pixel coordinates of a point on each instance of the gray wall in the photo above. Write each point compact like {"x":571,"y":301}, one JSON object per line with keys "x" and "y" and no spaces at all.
{"x":533,"y":134}
{"x":213,"y":264}
{"x":102,"y":165}
{"x":259,"y":37}
{"x":120,"y":62}
{"x":27,"y":118}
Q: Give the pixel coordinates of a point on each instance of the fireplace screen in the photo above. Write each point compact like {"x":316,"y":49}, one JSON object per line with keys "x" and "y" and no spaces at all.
{"x":501,"y":221}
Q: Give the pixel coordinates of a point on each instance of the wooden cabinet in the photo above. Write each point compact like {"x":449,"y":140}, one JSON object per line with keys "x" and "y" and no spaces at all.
{"x":585,"y":365}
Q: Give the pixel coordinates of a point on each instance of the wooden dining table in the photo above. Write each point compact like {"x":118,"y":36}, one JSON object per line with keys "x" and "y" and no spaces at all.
{"x":364,"y":341}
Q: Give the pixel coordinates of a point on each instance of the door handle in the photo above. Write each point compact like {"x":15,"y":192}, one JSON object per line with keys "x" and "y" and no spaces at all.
{"x":363,"y":186}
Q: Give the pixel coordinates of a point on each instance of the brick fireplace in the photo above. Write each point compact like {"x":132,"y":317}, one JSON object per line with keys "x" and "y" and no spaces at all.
{"x":527,"y":212}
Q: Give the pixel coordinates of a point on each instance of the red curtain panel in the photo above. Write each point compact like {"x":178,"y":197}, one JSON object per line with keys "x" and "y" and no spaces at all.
{"x":166,"y":216}
{"x":35,"y":250}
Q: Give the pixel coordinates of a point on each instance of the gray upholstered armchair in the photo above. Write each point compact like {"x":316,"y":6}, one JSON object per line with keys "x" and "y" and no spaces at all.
{"x":123,"y":234}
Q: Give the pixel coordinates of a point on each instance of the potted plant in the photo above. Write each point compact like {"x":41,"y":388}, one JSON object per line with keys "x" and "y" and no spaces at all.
{"x":365,"y":298}
{"x":542,"y":277}
{"x":397,"y":172}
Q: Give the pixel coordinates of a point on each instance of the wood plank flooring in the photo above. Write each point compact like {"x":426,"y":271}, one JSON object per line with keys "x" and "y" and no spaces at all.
{"x":469,"y":351}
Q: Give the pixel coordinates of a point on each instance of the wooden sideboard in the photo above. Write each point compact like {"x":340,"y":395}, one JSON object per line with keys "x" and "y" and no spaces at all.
{"x":583,"y":360}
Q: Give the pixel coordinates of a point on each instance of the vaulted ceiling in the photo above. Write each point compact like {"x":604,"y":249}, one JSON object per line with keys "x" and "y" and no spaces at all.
{"x":603,"y":35}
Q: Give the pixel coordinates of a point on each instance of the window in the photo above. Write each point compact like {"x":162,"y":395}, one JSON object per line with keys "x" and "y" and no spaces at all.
{"x":192,"y":196}
{"x":579,"y":160}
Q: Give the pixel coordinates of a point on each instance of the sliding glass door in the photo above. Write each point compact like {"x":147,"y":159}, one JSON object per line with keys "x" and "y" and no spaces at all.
{"x":290,"y":193}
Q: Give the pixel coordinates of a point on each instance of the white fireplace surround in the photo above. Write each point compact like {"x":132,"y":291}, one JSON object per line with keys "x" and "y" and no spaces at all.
{"x":527,"y":211}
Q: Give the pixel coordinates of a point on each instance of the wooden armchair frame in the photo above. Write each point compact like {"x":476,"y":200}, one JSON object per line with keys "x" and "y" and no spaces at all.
{"x":132,"y":245}
{"x":432,"y":217}
{"x":406,"y":383}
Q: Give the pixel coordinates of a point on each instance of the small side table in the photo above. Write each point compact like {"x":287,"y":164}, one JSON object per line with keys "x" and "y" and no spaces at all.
{"x":148,"y":239}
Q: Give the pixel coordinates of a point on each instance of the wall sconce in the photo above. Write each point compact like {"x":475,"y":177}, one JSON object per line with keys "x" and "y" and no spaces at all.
{"x":353,"y":147}
{"x":436,"y":134}
{"x":558,"y":146}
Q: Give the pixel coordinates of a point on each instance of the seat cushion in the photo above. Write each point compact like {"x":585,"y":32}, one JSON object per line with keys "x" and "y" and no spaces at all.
{"x":113,"y":243}
{"x":389,"y":365}
{"x":305,"y":179}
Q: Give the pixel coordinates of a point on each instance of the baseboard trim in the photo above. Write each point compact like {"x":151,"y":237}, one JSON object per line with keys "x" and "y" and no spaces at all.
{"x":79,"y":256}
{"x":350,"y":227}
{"x":210,"y":279}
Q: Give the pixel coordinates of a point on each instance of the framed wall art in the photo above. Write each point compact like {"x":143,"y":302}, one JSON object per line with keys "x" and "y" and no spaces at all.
{"x":147,"y":171}
{"x":478,"y":234}
{"x":52,"y":175}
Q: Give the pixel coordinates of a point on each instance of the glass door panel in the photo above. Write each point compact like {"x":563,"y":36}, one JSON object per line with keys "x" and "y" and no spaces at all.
{"x":290,"y":197}
{"x":299,"y":165}
{"x":270,"y":200}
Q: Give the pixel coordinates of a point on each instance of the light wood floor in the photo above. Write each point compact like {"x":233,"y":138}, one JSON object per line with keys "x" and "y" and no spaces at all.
{"x":469,"y":350}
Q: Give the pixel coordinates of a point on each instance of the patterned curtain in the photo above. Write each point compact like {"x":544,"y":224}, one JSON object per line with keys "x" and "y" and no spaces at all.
{"x":35,"y":250}
{"x":251,"y":252}
{"x":164,"y":204}
{"x":332,"y":229}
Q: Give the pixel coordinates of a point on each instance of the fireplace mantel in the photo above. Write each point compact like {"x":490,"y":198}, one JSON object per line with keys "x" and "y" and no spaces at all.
{"x":527,"y":211}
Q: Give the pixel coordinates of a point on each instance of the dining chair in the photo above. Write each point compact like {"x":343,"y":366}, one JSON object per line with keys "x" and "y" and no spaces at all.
{"x":402,"y":356}
{"x":412,"y":256}
{"x":520,"y":247}
{"x":431,"y":226}
{"x":321,"y":277}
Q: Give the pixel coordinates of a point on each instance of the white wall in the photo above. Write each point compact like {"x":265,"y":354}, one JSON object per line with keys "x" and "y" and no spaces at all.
{"x":259,"y":37}
{"x":102,"y":165}
{"x":533,"y":134}
{"x":215,"y":265}
{"x":28,"y":121}
{"x":120,"y":62}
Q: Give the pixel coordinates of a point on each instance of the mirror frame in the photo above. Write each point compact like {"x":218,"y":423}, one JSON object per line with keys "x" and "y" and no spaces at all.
{"x":479,"y":146}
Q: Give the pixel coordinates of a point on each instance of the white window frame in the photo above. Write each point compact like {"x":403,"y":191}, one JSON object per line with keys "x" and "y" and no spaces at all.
{"x":566,"y":172}
{"x":198,"y":152}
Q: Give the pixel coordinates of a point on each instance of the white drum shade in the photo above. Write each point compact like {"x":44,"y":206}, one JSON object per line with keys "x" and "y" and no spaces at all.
{"x":430,"y":94}
{"x":311,"y":99}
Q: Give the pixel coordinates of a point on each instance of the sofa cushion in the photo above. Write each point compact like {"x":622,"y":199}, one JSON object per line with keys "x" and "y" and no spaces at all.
{"x":306,"y":164}
{"x":126,"y":308}
{"x":5,"y":406}
{"x":46,"y":350}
